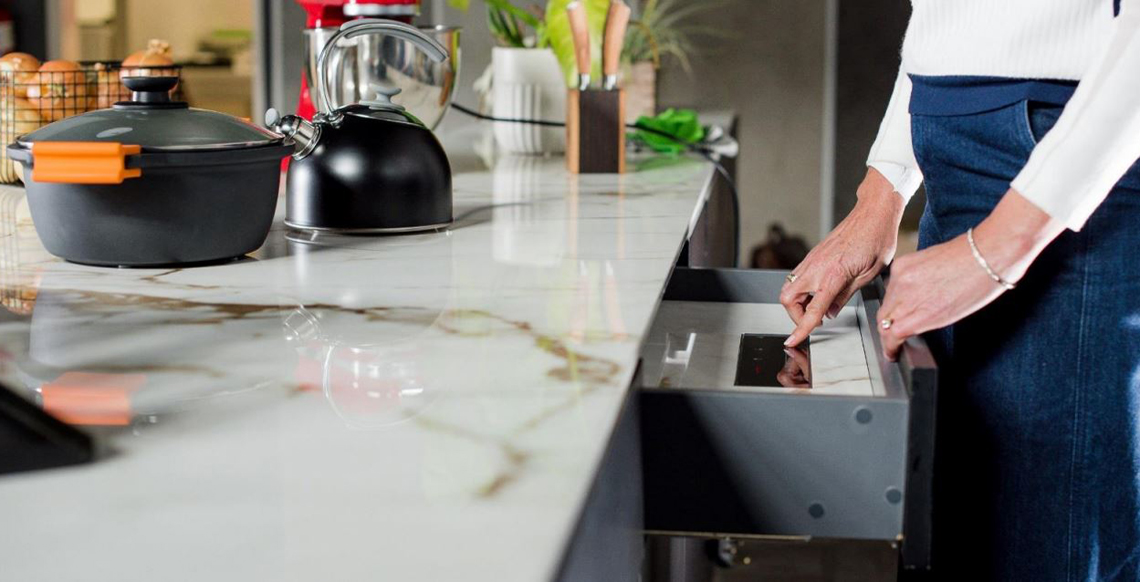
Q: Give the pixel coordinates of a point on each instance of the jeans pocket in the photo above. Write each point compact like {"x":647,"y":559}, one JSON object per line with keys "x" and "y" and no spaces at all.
{"x":917,"y":141}
{"x":1025,"y":111}
{"x":1037,"y":119}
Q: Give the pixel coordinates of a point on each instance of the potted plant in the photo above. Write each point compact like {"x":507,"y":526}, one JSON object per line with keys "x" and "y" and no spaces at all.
{"x":660,"y":32}
{"x":524,"y":81}
{"x":534,"y":40}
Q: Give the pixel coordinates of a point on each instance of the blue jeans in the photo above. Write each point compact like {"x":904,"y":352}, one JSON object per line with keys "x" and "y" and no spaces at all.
{"x":1038,"y":451}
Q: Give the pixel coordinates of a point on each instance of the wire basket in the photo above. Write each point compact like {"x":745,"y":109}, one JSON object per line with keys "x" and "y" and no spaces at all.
{"x":31,"y":99}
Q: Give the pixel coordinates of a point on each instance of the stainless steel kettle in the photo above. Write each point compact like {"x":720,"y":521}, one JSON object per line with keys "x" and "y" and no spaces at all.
{"x":369,"y":167}
{"x":428,"y":87}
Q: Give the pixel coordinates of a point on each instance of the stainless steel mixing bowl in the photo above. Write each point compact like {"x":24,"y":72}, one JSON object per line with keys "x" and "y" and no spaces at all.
{"x":426,"y":87}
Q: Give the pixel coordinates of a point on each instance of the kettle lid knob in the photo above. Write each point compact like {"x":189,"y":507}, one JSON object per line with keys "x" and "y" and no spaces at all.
{"x":384,"y":95}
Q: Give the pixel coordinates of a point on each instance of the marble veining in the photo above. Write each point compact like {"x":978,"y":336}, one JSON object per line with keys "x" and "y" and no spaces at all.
{"x":422,"y":407}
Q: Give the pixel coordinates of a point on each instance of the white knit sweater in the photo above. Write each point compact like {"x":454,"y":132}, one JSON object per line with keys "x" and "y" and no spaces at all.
{"x":1097,"y":137}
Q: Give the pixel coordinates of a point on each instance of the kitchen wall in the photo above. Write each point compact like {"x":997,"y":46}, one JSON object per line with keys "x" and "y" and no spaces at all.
{"x":803,"y":156}
{"x":476,"y":42}
{"x":771,"y":72}
{"x":869,"y":40}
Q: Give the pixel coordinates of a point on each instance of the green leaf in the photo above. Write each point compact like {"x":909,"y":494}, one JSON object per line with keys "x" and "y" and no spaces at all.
{"x":506,"y":6}
{"x":562,"y":42}
{"x":506,"y":22}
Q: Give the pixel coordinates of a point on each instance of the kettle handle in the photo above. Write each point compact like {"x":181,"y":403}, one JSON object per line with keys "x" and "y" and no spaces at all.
{"x":356,"y":28}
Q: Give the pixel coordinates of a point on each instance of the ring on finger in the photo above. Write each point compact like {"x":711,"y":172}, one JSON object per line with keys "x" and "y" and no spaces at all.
{"x":791,"y":277}
{"x":886,"y":323}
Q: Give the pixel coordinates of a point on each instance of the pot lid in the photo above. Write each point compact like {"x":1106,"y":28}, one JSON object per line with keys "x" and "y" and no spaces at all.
{"x":156,"y":123}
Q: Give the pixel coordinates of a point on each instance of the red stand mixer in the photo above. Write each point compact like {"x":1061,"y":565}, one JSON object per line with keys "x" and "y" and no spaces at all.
{"x":333,"y":13}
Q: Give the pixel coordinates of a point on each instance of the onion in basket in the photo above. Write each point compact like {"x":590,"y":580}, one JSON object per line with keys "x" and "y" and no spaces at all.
{"x":20,"y":69}
{"x":17,"y":117}
{"x":152,"y":62}
{"x":59,"y":90}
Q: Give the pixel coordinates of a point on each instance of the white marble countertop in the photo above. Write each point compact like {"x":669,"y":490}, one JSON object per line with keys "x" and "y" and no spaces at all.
{"x":427,"y":407}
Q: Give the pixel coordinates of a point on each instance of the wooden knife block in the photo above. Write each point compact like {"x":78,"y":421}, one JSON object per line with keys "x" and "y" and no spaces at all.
{"x":595,"y":132}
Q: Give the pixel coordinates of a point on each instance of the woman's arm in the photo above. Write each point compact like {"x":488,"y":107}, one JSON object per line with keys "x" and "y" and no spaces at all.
{"x":941,"y":285}
{"x":1097,"y":137}
{"x":893,"y":153}
{"x":1069,"y":174}
{"x":865,"y":241}
{"x":846,"y":260}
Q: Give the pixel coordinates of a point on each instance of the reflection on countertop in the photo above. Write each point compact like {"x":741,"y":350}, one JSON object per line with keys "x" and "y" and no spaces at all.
{"x":328,"y":406}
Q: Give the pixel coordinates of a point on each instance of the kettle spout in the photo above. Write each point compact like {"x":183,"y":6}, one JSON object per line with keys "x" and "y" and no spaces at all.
{"x":302,"y":134}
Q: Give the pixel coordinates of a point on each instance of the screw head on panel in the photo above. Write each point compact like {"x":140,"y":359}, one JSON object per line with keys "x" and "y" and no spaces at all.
{"x":894,"y":496}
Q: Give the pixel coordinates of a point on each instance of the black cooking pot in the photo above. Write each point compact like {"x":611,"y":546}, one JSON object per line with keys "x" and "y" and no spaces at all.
{"x":151,"y":182}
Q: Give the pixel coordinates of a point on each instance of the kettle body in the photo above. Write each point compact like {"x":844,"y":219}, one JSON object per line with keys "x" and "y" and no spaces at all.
{"x":370,"y":167}
{"x":372,"y":171}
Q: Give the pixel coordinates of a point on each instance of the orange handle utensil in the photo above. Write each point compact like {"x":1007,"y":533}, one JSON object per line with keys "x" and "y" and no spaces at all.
{"x":580,"y":29}
{"x":616,"y":24}
{"x":76,"y":162}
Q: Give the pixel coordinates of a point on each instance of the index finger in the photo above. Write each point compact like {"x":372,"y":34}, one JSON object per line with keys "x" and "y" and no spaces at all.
{"x":813,"y":315}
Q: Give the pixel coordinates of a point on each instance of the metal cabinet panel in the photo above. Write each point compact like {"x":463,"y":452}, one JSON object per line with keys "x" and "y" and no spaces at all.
{"x":788,"y":463}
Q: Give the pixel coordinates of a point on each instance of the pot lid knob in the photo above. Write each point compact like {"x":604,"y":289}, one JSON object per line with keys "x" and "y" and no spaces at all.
{"x":384,"y":95}
{"x":151,"y":93}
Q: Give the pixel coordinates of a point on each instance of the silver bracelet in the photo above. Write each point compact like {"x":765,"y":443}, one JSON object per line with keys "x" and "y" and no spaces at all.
{"x":985,"y":265}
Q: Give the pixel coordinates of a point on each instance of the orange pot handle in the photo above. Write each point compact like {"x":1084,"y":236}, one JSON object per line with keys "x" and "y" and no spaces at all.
{"x":78,"y":162}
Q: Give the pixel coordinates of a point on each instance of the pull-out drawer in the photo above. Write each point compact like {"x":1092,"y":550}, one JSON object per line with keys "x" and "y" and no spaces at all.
{"x":848,"y":457}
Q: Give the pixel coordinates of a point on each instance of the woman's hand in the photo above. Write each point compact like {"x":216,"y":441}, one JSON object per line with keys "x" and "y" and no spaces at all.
{"x":847,"y":259}
{"x":941,"y":285}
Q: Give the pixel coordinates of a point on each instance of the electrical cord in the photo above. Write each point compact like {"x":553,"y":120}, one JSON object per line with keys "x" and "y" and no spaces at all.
{"x":478,"y":115}
{"x":705,"y":153}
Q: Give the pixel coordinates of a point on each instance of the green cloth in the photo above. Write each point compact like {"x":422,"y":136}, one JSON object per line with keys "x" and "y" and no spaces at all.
{"x":682,"y":124}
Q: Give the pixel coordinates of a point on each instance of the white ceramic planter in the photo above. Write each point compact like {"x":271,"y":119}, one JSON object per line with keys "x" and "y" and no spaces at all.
{"x":528,"y":84}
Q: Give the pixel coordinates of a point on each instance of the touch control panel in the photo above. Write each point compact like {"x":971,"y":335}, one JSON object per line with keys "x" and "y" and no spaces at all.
{"x":764,"y":361}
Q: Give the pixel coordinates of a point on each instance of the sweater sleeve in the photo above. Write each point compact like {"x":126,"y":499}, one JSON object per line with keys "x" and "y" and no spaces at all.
{"x":892,"y":154}
{"x":1097,"y":137}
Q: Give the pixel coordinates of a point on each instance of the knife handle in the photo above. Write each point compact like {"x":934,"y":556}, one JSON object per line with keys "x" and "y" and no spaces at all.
{"x":580,"y":29}
{"x":616,"y":24}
